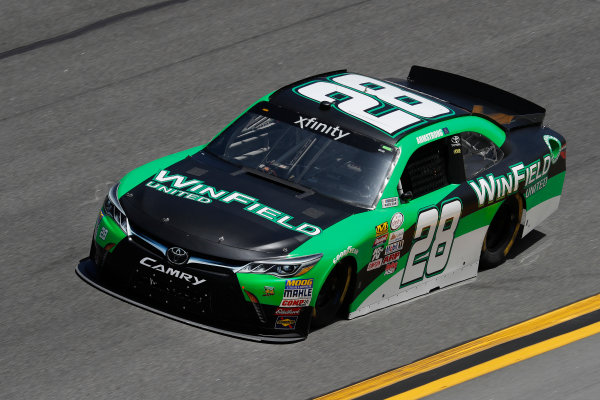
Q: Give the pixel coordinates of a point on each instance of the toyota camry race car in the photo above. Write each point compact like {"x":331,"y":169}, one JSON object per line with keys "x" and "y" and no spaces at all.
{"x":339,"y":194}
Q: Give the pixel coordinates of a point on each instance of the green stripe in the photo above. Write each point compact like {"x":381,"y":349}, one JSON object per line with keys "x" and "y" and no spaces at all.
{"x":476,"y":220}
{"x":553,"y":188}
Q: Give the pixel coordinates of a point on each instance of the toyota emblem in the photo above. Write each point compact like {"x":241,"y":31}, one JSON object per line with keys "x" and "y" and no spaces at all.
{"x":177,"y":255}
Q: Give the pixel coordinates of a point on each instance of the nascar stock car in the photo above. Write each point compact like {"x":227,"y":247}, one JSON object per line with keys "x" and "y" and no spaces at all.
{"x":339,"y":194}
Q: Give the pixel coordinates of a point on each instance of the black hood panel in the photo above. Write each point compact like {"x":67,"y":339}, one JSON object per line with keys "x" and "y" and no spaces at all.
{"x":223,"y":221}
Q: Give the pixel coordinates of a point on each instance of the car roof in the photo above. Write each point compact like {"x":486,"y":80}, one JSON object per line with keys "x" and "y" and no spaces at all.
{"x":288,"y":97}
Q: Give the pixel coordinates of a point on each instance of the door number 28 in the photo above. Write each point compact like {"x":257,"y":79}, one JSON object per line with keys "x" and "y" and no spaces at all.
{"x":433,"y":241}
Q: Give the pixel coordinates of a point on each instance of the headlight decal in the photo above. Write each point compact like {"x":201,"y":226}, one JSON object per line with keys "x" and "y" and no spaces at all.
{"x":283,"y":267}
{"x":112,"y":208}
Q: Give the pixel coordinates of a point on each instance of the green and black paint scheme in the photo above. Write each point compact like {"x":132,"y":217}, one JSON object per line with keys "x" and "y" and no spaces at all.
{"x":430,"y":211}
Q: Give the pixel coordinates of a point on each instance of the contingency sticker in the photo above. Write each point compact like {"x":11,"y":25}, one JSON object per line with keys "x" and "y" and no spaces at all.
{"x":396,"y":236}
{"x":269,"y":291}
{"x":379,"y":240}
{"x":286,"y":322}
{"x":297,"y":293}
{"x":391,"y":268}
{"x":382,"y":229}
{"x":389,"y":202}
{"x":288,"y":311}
{"x":397,"y":221}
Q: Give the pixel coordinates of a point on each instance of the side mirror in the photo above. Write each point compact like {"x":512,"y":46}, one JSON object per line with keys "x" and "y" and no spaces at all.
{"x":406,"y":196}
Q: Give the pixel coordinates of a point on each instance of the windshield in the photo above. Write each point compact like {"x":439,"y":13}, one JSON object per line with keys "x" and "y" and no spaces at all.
{"x":325,"y":158}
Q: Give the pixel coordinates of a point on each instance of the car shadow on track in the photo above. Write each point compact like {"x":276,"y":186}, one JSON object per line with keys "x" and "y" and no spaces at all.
{"x":521,"y":246}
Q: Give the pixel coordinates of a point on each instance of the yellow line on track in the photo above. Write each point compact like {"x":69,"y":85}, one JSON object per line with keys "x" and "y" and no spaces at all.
{"x":498,"y":363}
{"x":437,"y":360}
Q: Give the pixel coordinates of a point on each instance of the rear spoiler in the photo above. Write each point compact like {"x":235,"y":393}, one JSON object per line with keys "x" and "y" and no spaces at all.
{"x":507,"y":109}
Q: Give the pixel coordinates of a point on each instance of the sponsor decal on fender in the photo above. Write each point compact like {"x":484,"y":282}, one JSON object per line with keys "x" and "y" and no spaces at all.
{"x":389,"y":202}
{"x":381,"y":229}
{"x":374,"y":265}
{"x":294,"y":303}
{"x":390,"y":248}
{"x":344,"y":253}
{"x":535,"y":187}
{"x":491,"y":188}
{"x":397,"y":221}
{"x":269,"y":291}
{"x":379,"y":240}
{"x":297,"y":290}
{"x":392,"y":257}
{"x":377,"y":252}
{"x":391,"y":268}
{"x":196,"y":190}
{"x":286,"y":322}
{"x":396,"y":236}
{"x":288,"y":311}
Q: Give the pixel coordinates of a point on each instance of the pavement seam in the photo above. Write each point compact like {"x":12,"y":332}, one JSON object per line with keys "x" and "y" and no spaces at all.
{"x":88,"y":28}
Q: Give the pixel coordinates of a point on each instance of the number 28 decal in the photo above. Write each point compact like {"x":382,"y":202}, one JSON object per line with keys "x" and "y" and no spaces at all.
{"x":433,"y":241}
{"x":385,"y":106}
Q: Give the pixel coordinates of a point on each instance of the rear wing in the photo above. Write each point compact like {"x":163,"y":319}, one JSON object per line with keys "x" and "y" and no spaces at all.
{"x":507,"y":109}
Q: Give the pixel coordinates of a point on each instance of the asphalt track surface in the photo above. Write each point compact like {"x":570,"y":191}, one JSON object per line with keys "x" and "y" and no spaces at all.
{"x":530,"y":379}
{"x":82,"y":102}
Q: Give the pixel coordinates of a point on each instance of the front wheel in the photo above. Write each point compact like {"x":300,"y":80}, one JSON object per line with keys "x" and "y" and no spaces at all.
{"x":332,"y":295}
{"x":502,"y":232}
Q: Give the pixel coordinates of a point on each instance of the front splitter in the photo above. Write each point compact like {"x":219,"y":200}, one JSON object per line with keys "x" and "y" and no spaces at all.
{"x":88,"y":272}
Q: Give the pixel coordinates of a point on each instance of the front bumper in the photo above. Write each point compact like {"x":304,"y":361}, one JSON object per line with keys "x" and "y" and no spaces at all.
{"x":217,"y":304}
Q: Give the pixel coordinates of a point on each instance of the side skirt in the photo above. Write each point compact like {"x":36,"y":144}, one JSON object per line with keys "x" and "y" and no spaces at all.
{"x":462,"y":265}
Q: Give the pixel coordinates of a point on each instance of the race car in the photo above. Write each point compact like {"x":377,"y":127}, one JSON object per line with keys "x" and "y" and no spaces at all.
{"x":334,"y":196}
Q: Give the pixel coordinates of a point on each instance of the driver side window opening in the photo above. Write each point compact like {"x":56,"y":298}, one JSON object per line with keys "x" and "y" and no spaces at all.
{"x":426,"y":169}
{"x":433,"y":166}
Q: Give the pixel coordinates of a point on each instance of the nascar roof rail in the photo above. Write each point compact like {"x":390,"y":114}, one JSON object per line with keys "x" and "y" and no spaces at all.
{"x":507,"y":109}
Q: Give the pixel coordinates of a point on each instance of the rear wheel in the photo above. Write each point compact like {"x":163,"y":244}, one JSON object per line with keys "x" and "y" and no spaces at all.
{"x":332,"y":295}
{"x":502,"y":232}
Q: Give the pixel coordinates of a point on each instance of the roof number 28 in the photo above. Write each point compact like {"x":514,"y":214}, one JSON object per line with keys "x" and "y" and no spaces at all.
{"x":430,"y":251}
{"x":362,"y":97}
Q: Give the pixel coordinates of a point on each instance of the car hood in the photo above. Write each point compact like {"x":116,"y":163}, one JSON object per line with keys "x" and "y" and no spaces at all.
{"x":216,"y":209}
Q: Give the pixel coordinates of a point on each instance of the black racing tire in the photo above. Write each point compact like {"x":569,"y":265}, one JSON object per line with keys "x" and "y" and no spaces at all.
{"x":332,"y":295}
{"x":502,"y":232}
